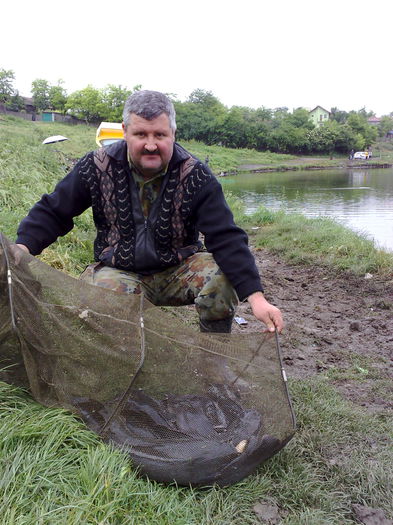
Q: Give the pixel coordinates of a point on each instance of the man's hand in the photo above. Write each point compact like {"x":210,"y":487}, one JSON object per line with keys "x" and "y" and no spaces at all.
{"x":16,"y":250}
{"x":266,"y":312}
{"x":23,"y":247}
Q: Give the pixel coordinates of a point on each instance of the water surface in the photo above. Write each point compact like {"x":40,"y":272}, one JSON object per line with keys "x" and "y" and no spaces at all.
{"x":359,"y":199}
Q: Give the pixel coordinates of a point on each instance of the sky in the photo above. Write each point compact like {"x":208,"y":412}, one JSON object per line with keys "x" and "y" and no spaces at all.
{"x":251,"y":53}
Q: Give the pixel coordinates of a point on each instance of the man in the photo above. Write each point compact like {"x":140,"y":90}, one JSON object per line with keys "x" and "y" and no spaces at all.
{"x":150,"y":200}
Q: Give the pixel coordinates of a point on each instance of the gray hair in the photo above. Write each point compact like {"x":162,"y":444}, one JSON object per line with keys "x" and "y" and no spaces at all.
{"x":149,"y":105}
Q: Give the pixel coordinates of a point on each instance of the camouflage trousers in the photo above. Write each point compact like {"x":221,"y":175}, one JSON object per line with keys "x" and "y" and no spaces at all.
{"x":197,"y":280}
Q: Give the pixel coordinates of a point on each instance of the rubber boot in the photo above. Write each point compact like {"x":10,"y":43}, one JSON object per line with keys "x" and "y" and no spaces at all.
{"x":222,"y":326}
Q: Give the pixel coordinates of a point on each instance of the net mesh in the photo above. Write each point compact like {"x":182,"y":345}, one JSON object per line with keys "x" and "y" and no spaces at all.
{"x":188,"y":407}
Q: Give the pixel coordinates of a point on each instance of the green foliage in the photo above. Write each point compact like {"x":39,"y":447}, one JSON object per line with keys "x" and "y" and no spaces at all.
{"x":113,"y":99}
{"x":300,"y":119}
{"x":7,"y":77}
{"x":385,"y":125}
{"x":86,"y":104}
{"x":338,"y":115}
{"x":205,"y":119}
{"x":332,"y":136}
{"x":358,"y":123}
{"x":199,"y":117}
{"x":202,"y":117}
{"x":96,"y":105}
{"x":40,"y":91}
{"x":46,"y":96}
{"x":57,"y":97}
{"x":15,"y":102}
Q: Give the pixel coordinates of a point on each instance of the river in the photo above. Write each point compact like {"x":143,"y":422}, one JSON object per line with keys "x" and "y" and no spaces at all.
{"x":361,"y":199}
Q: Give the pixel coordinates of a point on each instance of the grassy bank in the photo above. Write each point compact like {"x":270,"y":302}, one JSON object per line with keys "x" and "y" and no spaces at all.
{"x":319,"y":241}
{"x":53,"y":471}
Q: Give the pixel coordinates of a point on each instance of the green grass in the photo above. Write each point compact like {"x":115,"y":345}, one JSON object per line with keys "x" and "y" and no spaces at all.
{"x":53,"y":471}
{"x":228,"y":160}
{"x":319,"y":241}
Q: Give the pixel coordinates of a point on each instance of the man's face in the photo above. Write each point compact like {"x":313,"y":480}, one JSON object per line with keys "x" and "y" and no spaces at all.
{"x":150,"y":143}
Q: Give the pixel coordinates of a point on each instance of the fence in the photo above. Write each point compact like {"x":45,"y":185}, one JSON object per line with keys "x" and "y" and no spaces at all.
{"x":57,"y":117}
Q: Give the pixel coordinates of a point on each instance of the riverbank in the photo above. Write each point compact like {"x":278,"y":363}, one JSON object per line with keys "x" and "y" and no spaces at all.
{"x":266,"y":169}
{"x":313,"y":163}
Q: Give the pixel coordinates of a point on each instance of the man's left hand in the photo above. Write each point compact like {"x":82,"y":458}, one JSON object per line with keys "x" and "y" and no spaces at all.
{"x":269,"y":314}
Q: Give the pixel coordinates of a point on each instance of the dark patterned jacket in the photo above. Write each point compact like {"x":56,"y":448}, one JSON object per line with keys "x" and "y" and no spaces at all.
{"x":190,"y":201}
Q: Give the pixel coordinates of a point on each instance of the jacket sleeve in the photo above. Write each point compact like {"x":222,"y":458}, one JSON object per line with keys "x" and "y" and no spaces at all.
{"x":225,"y":240}
{"x":52,"y":216}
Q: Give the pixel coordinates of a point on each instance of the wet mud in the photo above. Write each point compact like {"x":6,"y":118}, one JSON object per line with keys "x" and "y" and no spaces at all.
{"x":333,"y":323}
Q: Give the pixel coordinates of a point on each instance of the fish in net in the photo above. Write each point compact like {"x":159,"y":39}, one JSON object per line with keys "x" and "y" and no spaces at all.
{"x":189,"y":407}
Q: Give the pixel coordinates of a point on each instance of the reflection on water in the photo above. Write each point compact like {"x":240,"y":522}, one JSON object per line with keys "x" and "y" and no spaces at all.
{"x":360,"y":199}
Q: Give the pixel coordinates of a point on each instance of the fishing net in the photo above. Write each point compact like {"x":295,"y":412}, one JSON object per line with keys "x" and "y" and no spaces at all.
{"x":188,"y":407}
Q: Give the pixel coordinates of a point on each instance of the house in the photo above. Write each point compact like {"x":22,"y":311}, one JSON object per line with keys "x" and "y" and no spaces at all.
{"x":319,"y":115}
{"x":29,"y":105}
{"x":374,"y":121}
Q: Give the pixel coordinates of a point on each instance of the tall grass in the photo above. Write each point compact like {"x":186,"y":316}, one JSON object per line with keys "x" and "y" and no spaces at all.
{"x":320,"y":241}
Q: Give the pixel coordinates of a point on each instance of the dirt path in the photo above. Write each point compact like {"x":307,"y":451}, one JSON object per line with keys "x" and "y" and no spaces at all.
{"x":332,"y":321}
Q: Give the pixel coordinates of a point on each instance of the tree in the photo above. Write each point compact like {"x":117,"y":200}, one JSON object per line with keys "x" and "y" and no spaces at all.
{"x":201,"y":96}
{"x":40,"y":91}
{"x":87,"y":104}
{"x":57,"y":97}
{"x":200,"y":117}
{"x":385,"y":125}
{"x":15,"y":102}
{"x":366,"y":114}
{"x":7,"y":90}
{"x":238,"y":129}
{"x":114,"y":98}
{"x":338,"y":115}
{"x":358,"y":123}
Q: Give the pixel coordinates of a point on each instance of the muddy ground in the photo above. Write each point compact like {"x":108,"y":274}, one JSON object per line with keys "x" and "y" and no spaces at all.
{"x":338,"y":322}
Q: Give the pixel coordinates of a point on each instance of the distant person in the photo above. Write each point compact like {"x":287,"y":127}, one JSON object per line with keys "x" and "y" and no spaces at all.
{"x":351,"y":154}
{"x":150,"y":200}
{"x":207,"y":160}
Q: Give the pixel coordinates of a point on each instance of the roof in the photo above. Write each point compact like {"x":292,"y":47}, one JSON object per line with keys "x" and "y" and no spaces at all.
{"x":320,"y":107}
{"x":374,"y":119}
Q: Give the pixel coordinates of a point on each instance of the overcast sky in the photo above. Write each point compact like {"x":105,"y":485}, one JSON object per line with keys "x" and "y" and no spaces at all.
{"x":251,"y":53}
